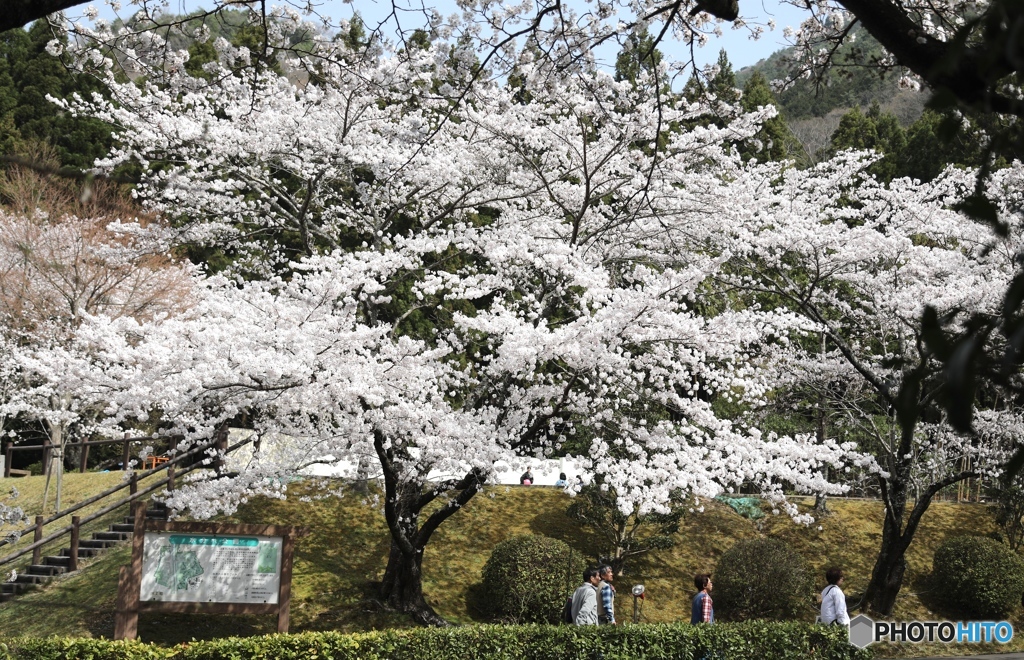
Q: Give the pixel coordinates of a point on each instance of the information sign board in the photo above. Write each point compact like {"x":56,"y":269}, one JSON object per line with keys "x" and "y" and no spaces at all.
{"x":210,"y":568}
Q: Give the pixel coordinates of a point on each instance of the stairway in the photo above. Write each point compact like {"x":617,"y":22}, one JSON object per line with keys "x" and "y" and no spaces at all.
{"x":52,"y":566}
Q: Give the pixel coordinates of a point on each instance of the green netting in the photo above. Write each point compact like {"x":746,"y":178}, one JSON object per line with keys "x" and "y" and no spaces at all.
{"x":748,"y":507}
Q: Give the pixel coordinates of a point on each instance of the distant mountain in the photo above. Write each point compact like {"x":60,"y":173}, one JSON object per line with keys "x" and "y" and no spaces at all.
{"x":853,"y":81}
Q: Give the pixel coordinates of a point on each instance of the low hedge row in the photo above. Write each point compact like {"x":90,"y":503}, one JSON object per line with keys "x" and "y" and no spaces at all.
{"x":751,"y":640}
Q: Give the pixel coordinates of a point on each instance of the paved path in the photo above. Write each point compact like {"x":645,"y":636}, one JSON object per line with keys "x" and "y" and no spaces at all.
{"x":996,"y":656}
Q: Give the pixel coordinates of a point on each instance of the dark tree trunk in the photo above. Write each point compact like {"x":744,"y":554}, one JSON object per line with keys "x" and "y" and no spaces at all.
{"x":887,"y":576}
{"x":402,"y":586}
{"x":891,"y":564}
{"x":899,"y":528}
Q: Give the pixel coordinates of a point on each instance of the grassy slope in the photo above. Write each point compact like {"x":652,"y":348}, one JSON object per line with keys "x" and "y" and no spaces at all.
{"x":76,"y":488}
{"x":337,"y":564}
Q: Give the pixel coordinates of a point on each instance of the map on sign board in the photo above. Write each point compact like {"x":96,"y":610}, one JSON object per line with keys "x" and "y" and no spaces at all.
{"x":210,"y":568}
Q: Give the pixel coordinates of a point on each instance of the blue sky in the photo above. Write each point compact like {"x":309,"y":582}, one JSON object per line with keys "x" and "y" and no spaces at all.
{"x":742,"y":50}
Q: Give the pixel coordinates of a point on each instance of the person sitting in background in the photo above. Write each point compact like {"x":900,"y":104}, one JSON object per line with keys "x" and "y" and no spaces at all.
{"x":527,"y":478}
{"x":561,"y":480}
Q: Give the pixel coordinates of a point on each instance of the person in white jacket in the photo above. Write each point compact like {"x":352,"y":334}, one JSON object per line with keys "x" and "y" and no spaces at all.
{"x":833,"y":600}
{"x":584,"y":599}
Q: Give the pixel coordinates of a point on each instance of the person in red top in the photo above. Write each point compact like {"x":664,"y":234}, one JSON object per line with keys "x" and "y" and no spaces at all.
{"x":703,"y":610}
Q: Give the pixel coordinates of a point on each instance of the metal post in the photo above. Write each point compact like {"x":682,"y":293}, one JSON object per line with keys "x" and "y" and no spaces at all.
{"x":73,"y":560}
{"x":37,"y":553}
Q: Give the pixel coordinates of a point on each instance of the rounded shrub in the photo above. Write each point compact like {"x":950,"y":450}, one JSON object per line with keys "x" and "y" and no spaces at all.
{"x":762,"y":579}
{"x":978,"y":576}
{"x":527,"y":578}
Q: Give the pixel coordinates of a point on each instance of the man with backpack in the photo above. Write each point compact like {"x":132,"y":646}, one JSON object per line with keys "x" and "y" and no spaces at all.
{"x":584,"y":600}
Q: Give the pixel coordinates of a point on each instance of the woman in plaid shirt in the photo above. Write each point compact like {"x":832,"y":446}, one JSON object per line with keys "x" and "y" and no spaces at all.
{"x":703,"y":610}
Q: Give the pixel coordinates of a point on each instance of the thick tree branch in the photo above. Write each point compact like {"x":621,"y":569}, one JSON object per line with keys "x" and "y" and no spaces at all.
{"x":470,"y":486}
{"x":18,"y":13}
{"x":925,"y":500}
{"x":921,"y":53}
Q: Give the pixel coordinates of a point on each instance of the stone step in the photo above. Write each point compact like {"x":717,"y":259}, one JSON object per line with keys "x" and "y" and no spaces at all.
{"x":25,"y":578}
{"x":11,"y":588}
{"x":82,"y":551}
{"x":45,"y":570}
{"x":96,"y":544}
{"x":64,"y":561}
{"x":154,"y":512}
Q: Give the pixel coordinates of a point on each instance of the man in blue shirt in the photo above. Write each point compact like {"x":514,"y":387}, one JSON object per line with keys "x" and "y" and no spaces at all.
{"x":606,"y":606}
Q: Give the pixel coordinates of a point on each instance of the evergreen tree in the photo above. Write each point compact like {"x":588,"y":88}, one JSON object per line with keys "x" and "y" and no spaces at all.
{"x":875,"y":130}
{"x":940,"y":139}
{"x":777,"y":141}
{"x":253,"y":36}
{"x":637,"y":57}
{"x":28,"y":74}
{"x":723,"y":84}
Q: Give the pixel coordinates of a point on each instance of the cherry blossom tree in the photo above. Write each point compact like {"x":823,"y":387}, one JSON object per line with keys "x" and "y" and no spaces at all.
{"x":863,"y":262}
{"x":484,"y":279}
{"x":55,"y":269}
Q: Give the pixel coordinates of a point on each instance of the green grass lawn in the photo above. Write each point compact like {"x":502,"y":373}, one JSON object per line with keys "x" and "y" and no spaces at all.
{"x":337,"y":565}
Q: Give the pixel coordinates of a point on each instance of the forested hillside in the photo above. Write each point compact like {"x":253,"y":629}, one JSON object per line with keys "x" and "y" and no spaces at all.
{"x":856,"y":80}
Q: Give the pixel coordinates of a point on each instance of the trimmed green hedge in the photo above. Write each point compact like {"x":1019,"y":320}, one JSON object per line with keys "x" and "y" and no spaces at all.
{"x":528,"y":578}
{"x":752,"y":640}
{"x":978,"y":576}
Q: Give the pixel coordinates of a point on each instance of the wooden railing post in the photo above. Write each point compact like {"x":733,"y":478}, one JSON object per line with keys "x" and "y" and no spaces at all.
{"x":46,"y":455}
{"x":133,"y":484}
{"x":84,"y":464}
{"x":126,"y":621}
{"x":37,"y":536}
{"x":8,"y":457}
{"x":73,"y":560}
{"x":125,"y":453}
{"x":170,"y":478}
{"x":284,"y":592}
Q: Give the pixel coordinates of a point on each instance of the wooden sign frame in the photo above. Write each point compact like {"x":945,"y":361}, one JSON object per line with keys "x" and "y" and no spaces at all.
{"x":129,"y":584}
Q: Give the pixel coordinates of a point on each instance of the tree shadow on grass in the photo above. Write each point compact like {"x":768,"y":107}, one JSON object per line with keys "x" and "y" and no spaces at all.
{"x":366,"y":614}
{"x":583,"y":540}
{"x":172,"y":629}
{"x":478,"y":604}
{"x":929,"y":591}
